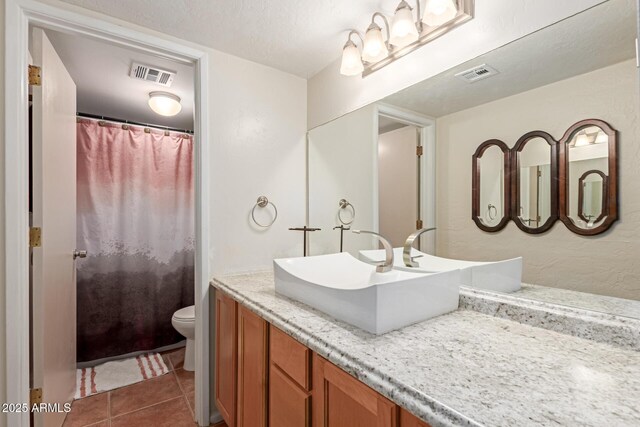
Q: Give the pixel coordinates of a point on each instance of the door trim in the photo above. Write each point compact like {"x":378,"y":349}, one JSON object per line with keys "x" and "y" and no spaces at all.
{"x":19,"y":14}
{"x":427,"y":130}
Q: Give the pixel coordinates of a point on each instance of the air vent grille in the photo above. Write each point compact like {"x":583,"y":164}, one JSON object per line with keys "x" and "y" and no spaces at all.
{"x":480,"y":72}
{"x":152,"y":74}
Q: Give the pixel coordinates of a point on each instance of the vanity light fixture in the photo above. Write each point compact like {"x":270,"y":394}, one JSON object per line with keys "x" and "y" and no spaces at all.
{"x":165,"y":103}
{"x":601,"y":138}
{"x":438,"y":12}
{"x":375,"y":47}
{"x":406,"y":33}
{"x":581,"y":140}
{"x":404,"y":29}
{"x":351,"y":59}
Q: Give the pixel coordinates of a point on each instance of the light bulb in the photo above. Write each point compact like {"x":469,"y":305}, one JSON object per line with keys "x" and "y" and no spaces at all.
{"x":602,"y":138}
{"x":164,"y":103}
{"x":351,"y":61}
{"x":403,"y":27}
{"x":374,"y":49}
{"x":581,"y":140}
{"x":437,"y":12}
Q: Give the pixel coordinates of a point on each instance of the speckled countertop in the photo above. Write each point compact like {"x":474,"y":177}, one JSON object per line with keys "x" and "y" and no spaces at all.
{"x":466,"y":368}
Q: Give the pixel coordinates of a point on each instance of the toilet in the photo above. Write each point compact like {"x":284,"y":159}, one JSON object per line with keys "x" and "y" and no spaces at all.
{"x":184,"y":321}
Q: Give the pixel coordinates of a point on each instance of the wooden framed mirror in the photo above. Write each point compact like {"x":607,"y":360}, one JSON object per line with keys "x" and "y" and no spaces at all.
{"x":491,"y":185}
{"x":535,"y":190}
{"x":588,"y":177}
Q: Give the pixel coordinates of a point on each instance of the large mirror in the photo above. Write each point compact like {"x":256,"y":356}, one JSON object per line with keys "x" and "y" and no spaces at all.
{"x":581,"y":67}
{"x":588,"y":177}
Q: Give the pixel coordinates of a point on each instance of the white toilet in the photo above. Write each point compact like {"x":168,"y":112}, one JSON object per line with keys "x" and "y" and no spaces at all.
{"x":184,"y":320}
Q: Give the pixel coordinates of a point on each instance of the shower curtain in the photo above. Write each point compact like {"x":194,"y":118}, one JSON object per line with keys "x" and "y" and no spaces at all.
{"x":136,"y":221}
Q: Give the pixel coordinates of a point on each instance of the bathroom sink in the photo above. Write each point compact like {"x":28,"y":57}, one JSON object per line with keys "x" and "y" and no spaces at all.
{"x":352,"y":291}
{"x":501,"y":276}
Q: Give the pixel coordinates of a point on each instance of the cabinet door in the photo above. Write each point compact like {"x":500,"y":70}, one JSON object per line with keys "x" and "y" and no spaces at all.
{"x":289,"y":405}
{"x":226,"y":357}
{"x":339,"y":400}
{"x":252,"y":369}
{"x":407,"y":419}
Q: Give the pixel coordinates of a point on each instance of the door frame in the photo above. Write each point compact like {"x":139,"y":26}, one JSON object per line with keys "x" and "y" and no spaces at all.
{"x":427,"y":130}
{"x":19,"y":14}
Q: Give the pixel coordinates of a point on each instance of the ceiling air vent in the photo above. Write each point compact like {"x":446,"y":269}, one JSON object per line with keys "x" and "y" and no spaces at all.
{"x":477,"y":73}
{"x":152,"y":74}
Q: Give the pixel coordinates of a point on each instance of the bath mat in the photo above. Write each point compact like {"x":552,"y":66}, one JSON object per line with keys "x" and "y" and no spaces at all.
{"x":119,"y":373}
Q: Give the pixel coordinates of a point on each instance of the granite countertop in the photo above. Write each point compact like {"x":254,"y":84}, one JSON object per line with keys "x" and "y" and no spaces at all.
{"x":466,"y":368}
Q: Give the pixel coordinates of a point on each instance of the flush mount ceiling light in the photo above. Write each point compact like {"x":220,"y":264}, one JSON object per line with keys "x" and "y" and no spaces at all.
{"x":165,"y":103}
{"x":405,"y":34}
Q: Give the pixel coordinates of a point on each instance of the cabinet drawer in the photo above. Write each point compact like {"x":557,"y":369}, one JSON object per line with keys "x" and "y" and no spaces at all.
{"x":292,"y":357}
{"x":289,"y":406}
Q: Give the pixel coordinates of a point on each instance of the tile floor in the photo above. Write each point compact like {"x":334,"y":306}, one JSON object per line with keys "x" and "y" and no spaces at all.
{"x":162,"y":401}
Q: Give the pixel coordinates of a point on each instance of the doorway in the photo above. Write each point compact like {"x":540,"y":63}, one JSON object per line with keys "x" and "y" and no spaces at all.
{"x":18,"y":18}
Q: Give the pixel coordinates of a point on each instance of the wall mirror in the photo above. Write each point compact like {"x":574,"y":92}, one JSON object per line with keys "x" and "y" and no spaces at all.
{"x":535,"y":191}
{"x":574,"y":69}
{"x":491,"y":185}
{"x":588,"y":177}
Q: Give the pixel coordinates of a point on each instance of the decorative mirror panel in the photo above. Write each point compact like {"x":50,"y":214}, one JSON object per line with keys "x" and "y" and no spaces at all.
{"x":588,"y":177}
{"x":535,"y":198}
{"x":491,"y":185}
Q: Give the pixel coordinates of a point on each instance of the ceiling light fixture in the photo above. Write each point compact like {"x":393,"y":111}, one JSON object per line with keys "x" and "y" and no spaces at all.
{"x":165,"y":103}
{"x":375,"y":47}
{"x":405,"y":34}
{"x":351,"y":59}
{"x":438,"y":12}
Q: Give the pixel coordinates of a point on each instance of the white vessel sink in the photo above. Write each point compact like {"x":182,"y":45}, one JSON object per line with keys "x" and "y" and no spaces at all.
{"x":501,"y":276}
{"x":352,"y":291}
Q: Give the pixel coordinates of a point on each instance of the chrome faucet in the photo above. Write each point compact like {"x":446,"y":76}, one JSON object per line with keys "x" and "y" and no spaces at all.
{"x":406,"y":253}
{"x":387,"y":265}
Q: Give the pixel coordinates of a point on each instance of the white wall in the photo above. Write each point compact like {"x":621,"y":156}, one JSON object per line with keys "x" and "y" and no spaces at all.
{"x":398,"y":184}
{"x":603,"y":264}
{"x":343,"y":157}
{"x":496,"y":22}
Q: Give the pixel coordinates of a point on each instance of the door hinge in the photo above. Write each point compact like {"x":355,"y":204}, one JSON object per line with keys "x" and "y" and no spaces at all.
{"x":419,"y":224}
{"x":419,"y":150}
{"x":35,"y":237}
{"x":34,"y":76}
{"x":35,"y":396}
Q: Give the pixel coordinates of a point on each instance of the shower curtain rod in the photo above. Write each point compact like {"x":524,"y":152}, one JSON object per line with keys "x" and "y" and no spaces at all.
{"x":129,"y":122}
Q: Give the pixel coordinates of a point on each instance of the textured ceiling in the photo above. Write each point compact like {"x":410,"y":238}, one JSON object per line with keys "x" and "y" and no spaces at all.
{"x":596,"y":38}
{"x":297,"y":36}
{"x":101,"y":73}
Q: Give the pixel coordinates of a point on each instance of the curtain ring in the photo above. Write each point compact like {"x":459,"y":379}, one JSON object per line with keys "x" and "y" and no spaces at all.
{"x":263,"y":202}
{"x":344,"y":204}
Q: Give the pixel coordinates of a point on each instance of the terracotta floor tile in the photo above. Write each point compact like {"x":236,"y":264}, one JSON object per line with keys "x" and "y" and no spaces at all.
{"x":100,"y":424}
{"x":187,"y":380}
{"x":89,"y":410}
{"x":146,"y":393}
{"x":166,"y":360}
{"x":191,"y":399}
{"x":177,"y":358}
{"x":173,"y":413}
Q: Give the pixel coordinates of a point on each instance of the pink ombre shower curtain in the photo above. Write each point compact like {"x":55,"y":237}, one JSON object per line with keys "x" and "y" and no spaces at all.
{"x":136,"y":221}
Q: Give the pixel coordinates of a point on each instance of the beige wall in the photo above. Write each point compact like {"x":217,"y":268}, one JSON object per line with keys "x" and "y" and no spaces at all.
{"x":3,"y":352}
{"x":605,"y":264}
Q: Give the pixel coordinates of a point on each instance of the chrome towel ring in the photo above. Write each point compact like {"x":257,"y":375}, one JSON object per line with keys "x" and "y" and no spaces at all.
{"x":344,"y":204}
{"x":262,"y":202}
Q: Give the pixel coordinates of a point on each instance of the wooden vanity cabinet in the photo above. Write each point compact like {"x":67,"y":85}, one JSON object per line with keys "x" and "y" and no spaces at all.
{"x":226,"y":327}
{"x":264,"y":377}
{"x":340,"y":400}
{"x":253,"y":334}
{"x":289,"y":381}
